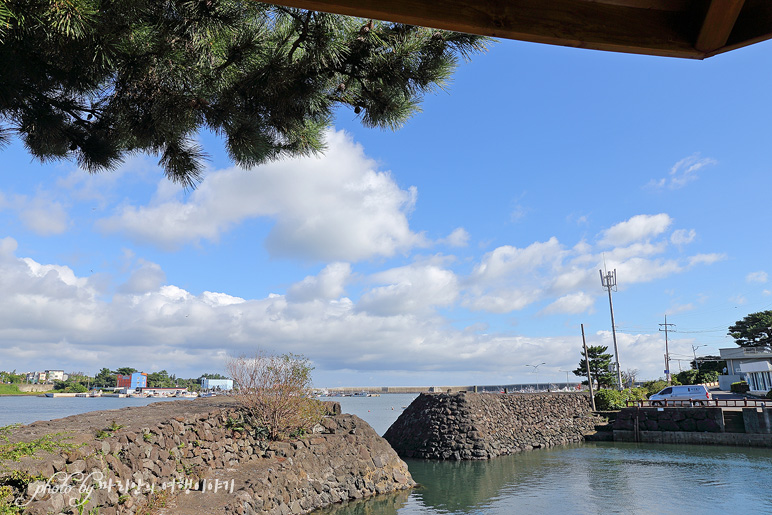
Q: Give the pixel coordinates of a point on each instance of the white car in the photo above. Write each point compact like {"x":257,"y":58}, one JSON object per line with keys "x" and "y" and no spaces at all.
{"x":698,"y":394}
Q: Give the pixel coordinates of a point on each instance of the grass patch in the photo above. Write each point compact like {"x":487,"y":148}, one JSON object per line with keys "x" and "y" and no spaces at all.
{"x":9,"y":389}
{"x":13,"y":389}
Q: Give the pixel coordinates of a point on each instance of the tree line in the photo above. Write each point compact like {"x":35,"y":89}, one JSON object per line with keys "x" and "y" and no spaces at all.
{"x":80,"y":382}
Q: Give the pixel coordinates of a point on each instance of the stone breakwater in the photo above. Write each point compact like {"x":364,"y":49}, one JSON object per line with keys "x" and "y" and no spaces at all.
{"x":479,"y":426}
{"x":194,"y":457}
{"x":709,"y":420}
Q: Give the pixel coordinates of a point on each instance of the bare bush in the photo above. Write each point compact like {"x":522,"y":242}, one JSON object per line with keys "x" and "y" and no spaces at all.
{"x":275,"y":392}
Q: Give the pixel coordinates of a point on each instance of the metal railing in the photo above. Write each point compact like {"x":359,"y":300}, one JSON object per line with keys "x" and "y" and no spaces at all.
{"x":720,"y":403}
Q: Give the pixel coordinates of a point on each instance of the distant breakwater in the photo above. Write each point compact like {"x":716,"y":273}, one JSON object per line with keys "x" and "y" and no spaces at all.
{"x":193,"y":457}
{"x":479,"y":426}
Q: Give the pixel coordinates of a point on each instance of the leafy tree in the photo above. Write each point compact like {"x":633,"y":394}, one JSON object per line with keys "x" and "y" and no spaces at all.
{"x":710,"y":364}
{"x":12,"y":377}
{"x":211,"y":376}
{"x":160,"y":380}
{"x":599,"y":363}
{"x":126,"y":371}
{"x":275,"y":393}
{"x":105,"y":378}
{"x":95,"y":81}
{"x":70,"y":386}
{"x":755,"y":330}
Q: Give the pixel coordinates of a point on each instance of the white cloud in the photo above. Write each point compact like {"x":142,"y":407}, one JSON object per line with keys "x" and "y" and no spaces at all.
{"x":40,"y":214}
{"x":738,"y":299}
{"x":458,"y":238}
{"x":417,"y":318}
{"x":757,"y":277}
{"x":414,"y":289}
{"x":44,"y":217}
{"x":683,"y":172}
{"x":706,"y":259}
{"x":680,"y":308}
{"x":683,"y":237}
{"x":506,"y":260}
{"x":639,"y":270}
{"x":337,"y":206}
{"x":573,"y":303}
{"x":503,"y":300}
{"x":148,"y":277}
{"x":637,"y":228}
{"x":328,"y":285}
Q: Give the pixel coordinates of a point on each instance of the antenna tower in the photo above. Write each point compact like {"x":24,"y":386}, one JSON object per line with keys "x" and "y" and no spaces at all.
{"x":609,"y":281}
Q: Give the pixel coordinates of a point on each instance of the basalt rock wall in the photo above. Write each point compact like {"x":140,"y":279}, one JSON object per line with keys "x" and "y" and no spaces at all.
{"x":194,"y":457}
{"x":479,"y":426}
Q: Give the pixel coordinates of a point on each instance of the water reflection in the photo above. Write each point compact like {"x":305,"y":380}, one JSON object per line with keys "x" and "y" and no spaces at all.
{"x":588,"y":478}
{"x":378,"y":505}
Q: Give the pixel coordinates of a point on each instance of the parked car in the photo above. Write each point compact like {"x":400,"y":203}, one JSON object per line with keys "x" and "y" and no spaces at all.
{"x":698,"y":394}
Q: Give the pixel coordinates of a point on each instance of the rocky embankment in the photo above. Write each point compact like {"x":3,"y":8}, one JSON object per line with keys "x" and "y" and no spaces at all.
{"x":479,"y":426}
{"x":192,"y":457}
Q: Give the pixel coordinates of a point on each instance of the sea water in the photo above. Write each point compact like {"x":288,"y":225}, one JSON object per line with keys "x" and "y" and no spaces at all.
{"x":587,"y":478}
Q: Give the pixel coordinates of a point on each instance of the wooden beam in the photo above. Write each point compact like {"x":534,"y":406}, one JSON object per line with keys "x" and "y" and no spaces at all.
{"x":754,"y":25}
{"x":654,"y":27}
{"x":718,"y":24}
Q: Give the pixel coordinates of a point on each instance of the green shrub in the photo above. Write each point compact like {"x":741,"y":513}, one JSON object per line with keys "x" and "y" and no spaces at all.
{"x":653,"y":387}
{"x":687,"y":377}
{"x":609,"y":400}
{"x":739,"y":387}
{"x":711,"y":376}
{"x":769,"y":394}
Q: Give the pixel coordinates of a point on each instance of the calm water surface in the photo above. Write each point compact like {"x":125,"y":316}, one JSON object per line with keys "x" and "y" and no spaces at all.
{"x":581,"y":479}
{"x":25,"y":409}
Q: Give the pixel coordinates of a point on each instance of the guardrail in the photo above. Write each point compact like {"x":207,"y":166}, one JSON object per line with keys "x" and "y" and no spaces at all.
{"x":721,"y":403}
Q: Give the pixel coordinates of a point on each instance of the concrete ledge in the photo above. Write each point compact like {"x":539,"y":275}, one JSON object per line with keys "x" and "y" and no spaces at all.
{"x":684,"y":437}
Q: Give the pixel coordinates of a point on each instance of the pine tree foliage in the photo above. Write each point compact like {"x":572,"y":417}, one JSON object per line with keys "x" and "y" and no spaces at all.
{"x":95,"y":80}
{"x":755,"y":330}
{"x":599,"y":365}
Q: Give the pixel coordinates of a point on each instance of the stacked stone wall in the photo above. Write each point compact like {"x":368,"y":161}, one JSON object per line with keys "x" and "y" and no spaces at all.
{"x":479,"y":426}
{"x":708,"y":420}
{"x":224,"y":467}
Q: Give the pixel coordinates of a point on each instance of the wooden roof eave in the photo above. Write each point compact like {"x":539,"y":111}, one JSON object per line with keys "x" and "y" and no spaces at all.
{"x":693,"y":29}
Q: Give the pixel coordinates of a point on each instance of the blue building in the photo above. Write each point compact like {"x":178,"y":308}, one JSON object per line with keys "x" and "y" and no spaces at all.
{"x":133,"y":381}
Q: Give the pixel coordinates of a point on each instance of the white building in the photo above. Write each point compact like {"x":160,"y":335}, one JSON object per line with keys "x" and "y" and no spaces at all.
{"x":216,"y":384}
{"x":55,"y":375}
{"x":750,"y":364}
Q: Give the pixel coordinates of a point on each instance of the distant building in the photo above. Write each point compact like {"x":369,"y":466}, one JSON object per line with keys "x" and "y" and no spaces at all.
{"x":216,"y":384}
{"x":36,"y":377}
{"x":133,"y":381}
{"x":54,"y":375}
{"x":750,"y":364}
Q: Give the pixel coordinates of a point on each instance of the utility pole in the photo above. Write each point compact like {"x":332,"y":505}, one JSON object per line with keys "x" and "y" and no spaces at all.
{"x":587,"y":366}
{"x":694,"y":350}
{"x":667,"y":352}
{"x":609,"y":281}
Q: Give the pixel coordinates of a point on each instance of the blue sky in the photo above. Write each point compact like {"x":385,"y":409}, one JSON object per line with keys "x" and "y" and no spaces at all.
{"x":457,"y":250}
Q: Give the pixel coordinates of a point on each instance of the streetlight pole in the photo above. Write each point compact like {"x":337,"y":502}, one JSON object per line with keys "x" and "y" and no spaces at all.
{"x":536,"y":371}
{"x":567,"y":372}
{"x":694,"y":351}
